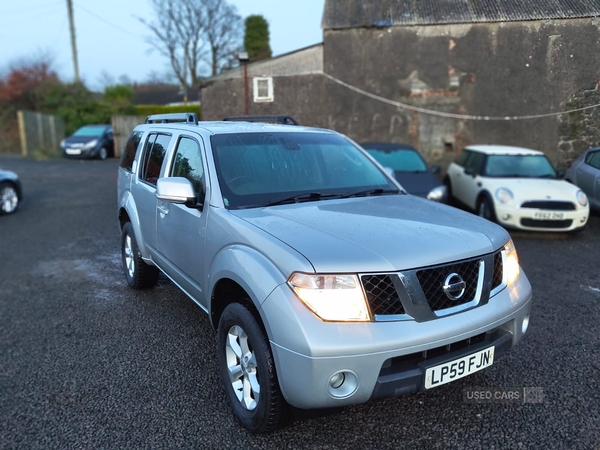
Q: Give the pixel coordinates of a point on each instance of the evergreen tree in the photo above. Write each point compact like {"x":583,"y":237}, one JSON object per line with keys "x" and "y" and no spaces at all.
{"x":256,"y":38}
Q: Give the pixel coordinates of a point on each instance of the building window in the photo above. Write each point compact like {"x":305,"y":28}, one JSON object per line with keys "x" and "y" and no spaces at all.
{"x":263,"y":89}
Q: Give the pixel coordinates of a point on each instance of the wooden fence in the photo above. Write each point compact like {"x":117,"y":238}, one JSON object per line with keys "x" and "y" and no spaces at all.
{"x":122,"y":128}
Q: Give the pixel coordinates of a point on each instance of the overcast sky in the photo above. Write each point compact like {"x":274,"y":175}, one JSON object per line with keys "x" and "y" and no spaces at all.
{"x":112,"y":41}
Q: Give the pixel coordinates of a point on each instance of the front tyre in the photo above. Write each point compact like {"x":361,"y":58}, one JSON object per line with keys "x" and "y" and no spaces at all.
{"x":485,"y":208}
{"x":248,"y":371}
{"x":9,"y":198}
{"x":138,"y":274}
{"x":103,"y":153}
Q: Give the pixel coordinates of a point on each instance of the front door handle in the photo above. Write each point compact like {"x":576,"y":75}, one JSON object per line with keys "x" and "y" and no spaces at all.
{"x":163,"y":210}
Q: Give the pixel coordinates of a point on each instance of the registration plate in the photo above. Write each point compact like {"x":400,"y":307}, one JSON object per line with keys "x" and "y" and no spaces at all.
{"x":548,"y":215}
{"x":453,"y":370}
{"x":73,"y":151}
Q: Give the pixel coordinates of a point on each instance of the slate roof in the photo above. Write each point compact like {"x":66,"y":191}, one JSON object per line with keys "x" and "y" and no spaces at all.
{"x":340,"y":14}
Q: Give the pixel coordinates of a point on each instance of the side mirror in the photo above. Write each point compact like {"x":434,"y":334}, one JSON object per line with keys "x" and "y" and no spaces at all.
{"x":176,"y":190}
{"x":469,"y":171}
{"x":435,"y":169}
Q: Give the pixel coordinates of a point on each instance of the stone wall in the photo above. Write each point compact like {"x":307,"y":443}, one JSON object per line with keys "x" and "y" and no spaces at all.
{"x":580,"y":130}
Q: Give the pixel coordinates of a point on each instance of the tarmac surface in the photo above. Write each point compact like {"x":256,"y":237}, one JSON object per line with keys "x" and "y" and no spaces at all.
{"x":86,"y":362}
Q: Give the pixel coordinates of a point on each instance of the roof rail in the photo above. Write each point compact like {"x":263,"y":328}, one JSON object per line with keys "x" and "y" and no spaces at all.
{"x":286,"y":120}
{"x":173,"y":117}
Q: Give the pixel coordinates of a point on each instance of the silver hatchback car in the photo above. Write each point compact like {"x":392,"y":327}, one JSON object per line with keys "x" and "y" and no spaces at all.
{"x":327,"y":284}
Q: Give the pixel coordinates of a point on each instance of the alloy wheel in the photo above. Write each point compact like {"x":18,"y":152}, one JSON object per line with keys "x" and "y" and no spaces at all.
{"x":8,"y":199}
{"x":242,"y":367}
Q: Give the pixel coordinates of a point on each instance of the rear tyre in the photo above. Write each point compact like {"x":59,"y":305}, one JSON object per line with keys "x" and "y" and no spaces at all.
{"x":139,"y":275}
{"x":248,"y":371}
{"x":9,"y":198}
{"x":485,"y":208}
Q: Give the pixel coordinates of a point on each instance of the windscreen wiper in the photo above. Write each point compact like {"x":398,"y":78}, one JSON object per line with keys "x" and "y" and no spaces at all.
{"x":376,"y":191}
{"x":304,"y":198}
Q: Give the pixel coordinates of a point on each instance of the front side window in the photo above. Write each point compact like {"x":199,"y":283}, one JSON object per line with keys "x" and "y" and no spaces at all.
{"x":463,"y":158}
{"x":475,"y":162}
{"x":259,"y":169}
{"x":154,"y":156}
{"x":188,"y":164}
{"x":519,"y":166}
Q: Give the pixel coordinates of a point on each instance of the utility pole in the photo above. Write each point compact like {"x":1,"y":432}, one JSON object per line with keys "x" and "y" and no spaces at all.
{"x":73,"y":42}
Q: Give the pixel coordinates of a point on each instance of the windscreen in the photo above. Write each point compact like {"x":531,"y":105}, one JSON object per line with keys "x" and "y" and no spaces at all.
{"x":89,"y":131}
{"x":258,"y":169}
{"x":519,"y":166}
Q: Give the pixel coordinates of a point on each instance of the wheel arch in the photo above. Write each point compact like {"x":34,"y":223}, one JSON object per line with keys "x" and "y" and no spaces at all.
{"x":243,"y":275}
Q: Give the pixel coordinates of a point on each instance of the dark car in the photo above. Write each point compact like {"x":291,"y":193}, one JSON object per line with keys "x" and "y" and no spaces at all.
{"x":90,"y":141}
{"x":410,"y":169}
{"x":585,"y":173}
{"x":10,"y":192}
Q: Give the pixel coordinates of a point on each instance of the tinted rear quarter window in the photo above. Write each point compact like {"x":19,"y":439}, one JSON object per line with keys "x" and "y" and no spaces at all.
{"x":130,"y":150}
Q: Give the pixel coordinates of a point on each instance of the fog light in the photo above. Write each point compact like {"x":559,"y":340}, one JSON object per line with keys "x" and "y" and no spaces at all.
{"x":505,"y":216}
{"x":525,"y":324}
{"x":337,"y":380}
{"x":583,"y":219}
{"x":343,"y":384}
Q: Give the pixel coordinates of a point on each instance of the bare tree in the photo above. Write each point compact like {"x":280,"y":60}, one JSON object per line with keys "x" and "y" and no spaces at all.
{"x":191,"y":33}
{"x":223,"y":32}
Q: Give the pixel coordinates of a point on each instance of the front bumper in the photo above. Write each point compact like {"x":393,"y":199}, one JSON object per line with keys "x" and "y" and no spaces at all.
{"x":529,"y":218}
{"x":381,"y":359}
{"x":77,"y":153}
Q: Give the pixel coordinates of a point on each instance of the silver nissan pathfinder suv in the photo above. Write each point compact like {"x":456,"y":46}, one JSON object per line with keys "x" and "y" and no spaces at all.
{"x":327,"y":284}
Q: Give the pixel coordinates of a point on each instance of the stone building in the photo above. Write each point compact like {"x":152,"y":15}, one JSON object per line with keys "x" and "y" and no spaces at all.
{"x":438,"y":75}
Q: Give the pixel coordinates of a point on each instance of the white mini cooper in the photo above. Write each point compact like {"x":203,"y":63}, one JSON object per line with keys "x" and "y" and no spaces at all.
{"x":516,"y":187}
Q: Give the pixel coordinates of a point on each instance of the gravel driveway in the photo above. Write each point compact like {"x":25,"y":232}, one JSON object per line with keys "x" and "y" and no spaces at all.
{"x":85,"y":362}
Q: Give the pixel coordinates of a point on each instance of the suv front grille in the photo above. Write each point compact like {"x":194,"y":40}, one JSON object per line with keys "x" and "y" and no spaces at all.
{"x":550,"y":205}
{"x":432,"y":282}
{"x":382,"y":295}
{"x":419,"y":294}
{"x":498,"y":271}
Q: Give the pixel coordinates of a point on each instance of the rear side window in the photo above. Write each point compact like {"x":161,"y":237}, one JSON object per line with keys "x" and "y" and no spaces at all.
{"x":130,"y":150}
{"x":154,"y":156}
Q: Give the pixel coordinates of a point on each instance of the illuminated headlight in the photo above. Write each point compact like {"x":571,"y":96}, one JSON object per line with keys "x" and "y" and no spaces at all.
{"x":437,"y":194}
{"x":331,"y":297}
{"x":511,"y":263}
{"x":504,"y":195}
{"x":91,"y":144}
{"x":582,"y":198}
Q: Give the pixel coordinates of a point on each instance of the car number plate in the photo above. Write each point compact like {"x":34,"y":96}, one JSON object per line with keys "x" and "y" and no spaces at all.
{"x":453,"y":370}
{"x":73,"y":151}
{"x":548,"y":215}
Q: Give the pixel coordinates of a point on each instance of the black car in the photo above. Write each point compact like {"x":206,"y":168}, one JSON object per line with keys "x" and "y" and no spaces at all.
{"x":90,"y":141}
{"x":409,"y":168}
{"x":11,"y":192}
